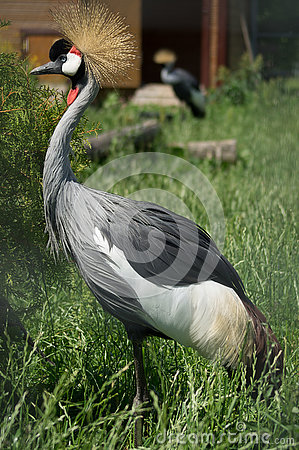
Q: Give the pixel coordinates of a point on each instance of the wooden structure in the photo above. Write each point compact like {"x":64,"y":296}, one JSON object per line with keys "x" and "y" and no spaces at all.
{"x":203,"y":33}
{"x":214,"y":39}
{"x":32,"y":30}
{"x":141,"y":135}
{"x":156,"y":94}
{"x":220,"y":150}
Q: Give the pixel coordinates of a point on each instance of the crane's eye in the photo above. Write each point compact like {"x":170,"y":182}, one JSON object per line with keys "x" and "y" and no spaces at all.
{"x":62,"y":58}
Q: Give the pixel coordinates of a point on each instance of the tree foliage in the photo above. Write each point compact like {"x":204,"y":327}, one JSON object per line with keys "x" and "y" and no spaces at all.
{"x":28,"y":116}
{"x":237,"y":84}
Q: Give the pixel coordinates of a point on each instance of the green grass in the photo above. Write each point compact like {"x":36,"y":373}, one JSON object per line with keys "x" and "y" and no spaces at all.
{"x":84,"y":402}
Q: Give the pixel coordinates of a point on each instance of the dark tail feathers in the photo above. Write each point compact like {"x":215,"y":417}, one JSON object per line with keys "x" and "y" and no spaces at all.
{"x":269,"y":354}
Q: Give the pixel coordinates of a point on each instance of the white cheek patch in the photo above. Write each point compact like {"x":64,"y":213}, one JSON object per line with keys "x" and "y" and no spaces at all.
{"x":72,"y":64}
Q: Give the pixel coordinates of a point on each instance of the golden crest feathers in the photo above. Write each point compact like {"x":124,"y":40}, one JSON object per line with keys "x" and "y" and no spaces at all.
{"x":101,"y":36}
{"x":164,"y":56}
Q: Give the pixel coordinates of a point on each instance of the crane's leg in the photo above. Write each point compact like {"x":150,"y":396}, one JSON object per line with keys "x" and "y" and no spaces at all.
{"x":141,"y":390}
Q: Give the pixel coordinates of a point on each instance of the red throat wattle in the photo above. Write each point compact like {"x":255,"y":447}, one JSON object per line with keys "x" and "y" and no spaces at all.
{"x":72,"y":95}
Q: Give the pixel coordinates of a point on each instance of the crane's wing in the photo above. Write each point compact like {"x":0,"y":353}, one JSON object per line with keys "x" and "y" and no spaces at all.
{"x":168,"y":249}
{"x":192,"y":96}
{"x":162,"y":247}
{"x":197,"y":103}
{"x":185,"y":77}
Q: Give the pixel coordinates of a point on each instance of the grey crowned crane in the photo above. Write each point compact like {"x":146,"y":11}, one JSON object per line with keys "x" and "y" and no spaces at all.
{"x":157,"y":272}
{"x":184,"y":84}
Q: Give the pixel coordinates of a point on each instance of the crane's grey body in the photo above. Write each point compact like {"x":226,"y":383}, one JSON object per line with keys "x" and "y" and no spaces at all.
{"x":75,"y":213}
{"x":157,"y":272}
{"x":147,"y":266}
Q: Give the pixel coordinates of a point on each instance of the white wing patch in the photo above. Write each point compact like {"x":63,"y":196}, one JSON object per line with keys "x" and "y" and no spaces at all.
{"x":72,"y":64}
{"x":207,"y":316}
{"x":169,"y":308}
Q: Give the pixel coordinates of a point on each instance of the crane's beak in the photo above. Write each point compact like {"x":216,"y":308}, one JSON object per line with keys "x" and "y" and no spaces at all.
{"x":52,"y":67}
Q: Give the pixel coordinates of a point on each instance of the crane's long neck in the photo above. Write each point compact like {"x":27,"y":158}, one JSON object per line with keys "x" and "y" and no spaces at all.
{"x":57,"y":169}
{"x":166,"y":74}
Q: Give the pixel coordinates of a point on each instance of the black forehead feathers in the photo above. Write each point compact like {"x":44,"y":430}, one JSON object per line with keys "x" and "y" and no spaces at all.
{"x":60,"y":47}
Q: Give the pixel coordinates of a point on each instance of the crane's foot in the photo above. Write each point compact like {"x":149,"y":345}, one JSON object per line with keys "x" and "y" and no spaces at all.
{"x":138,"y":403}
